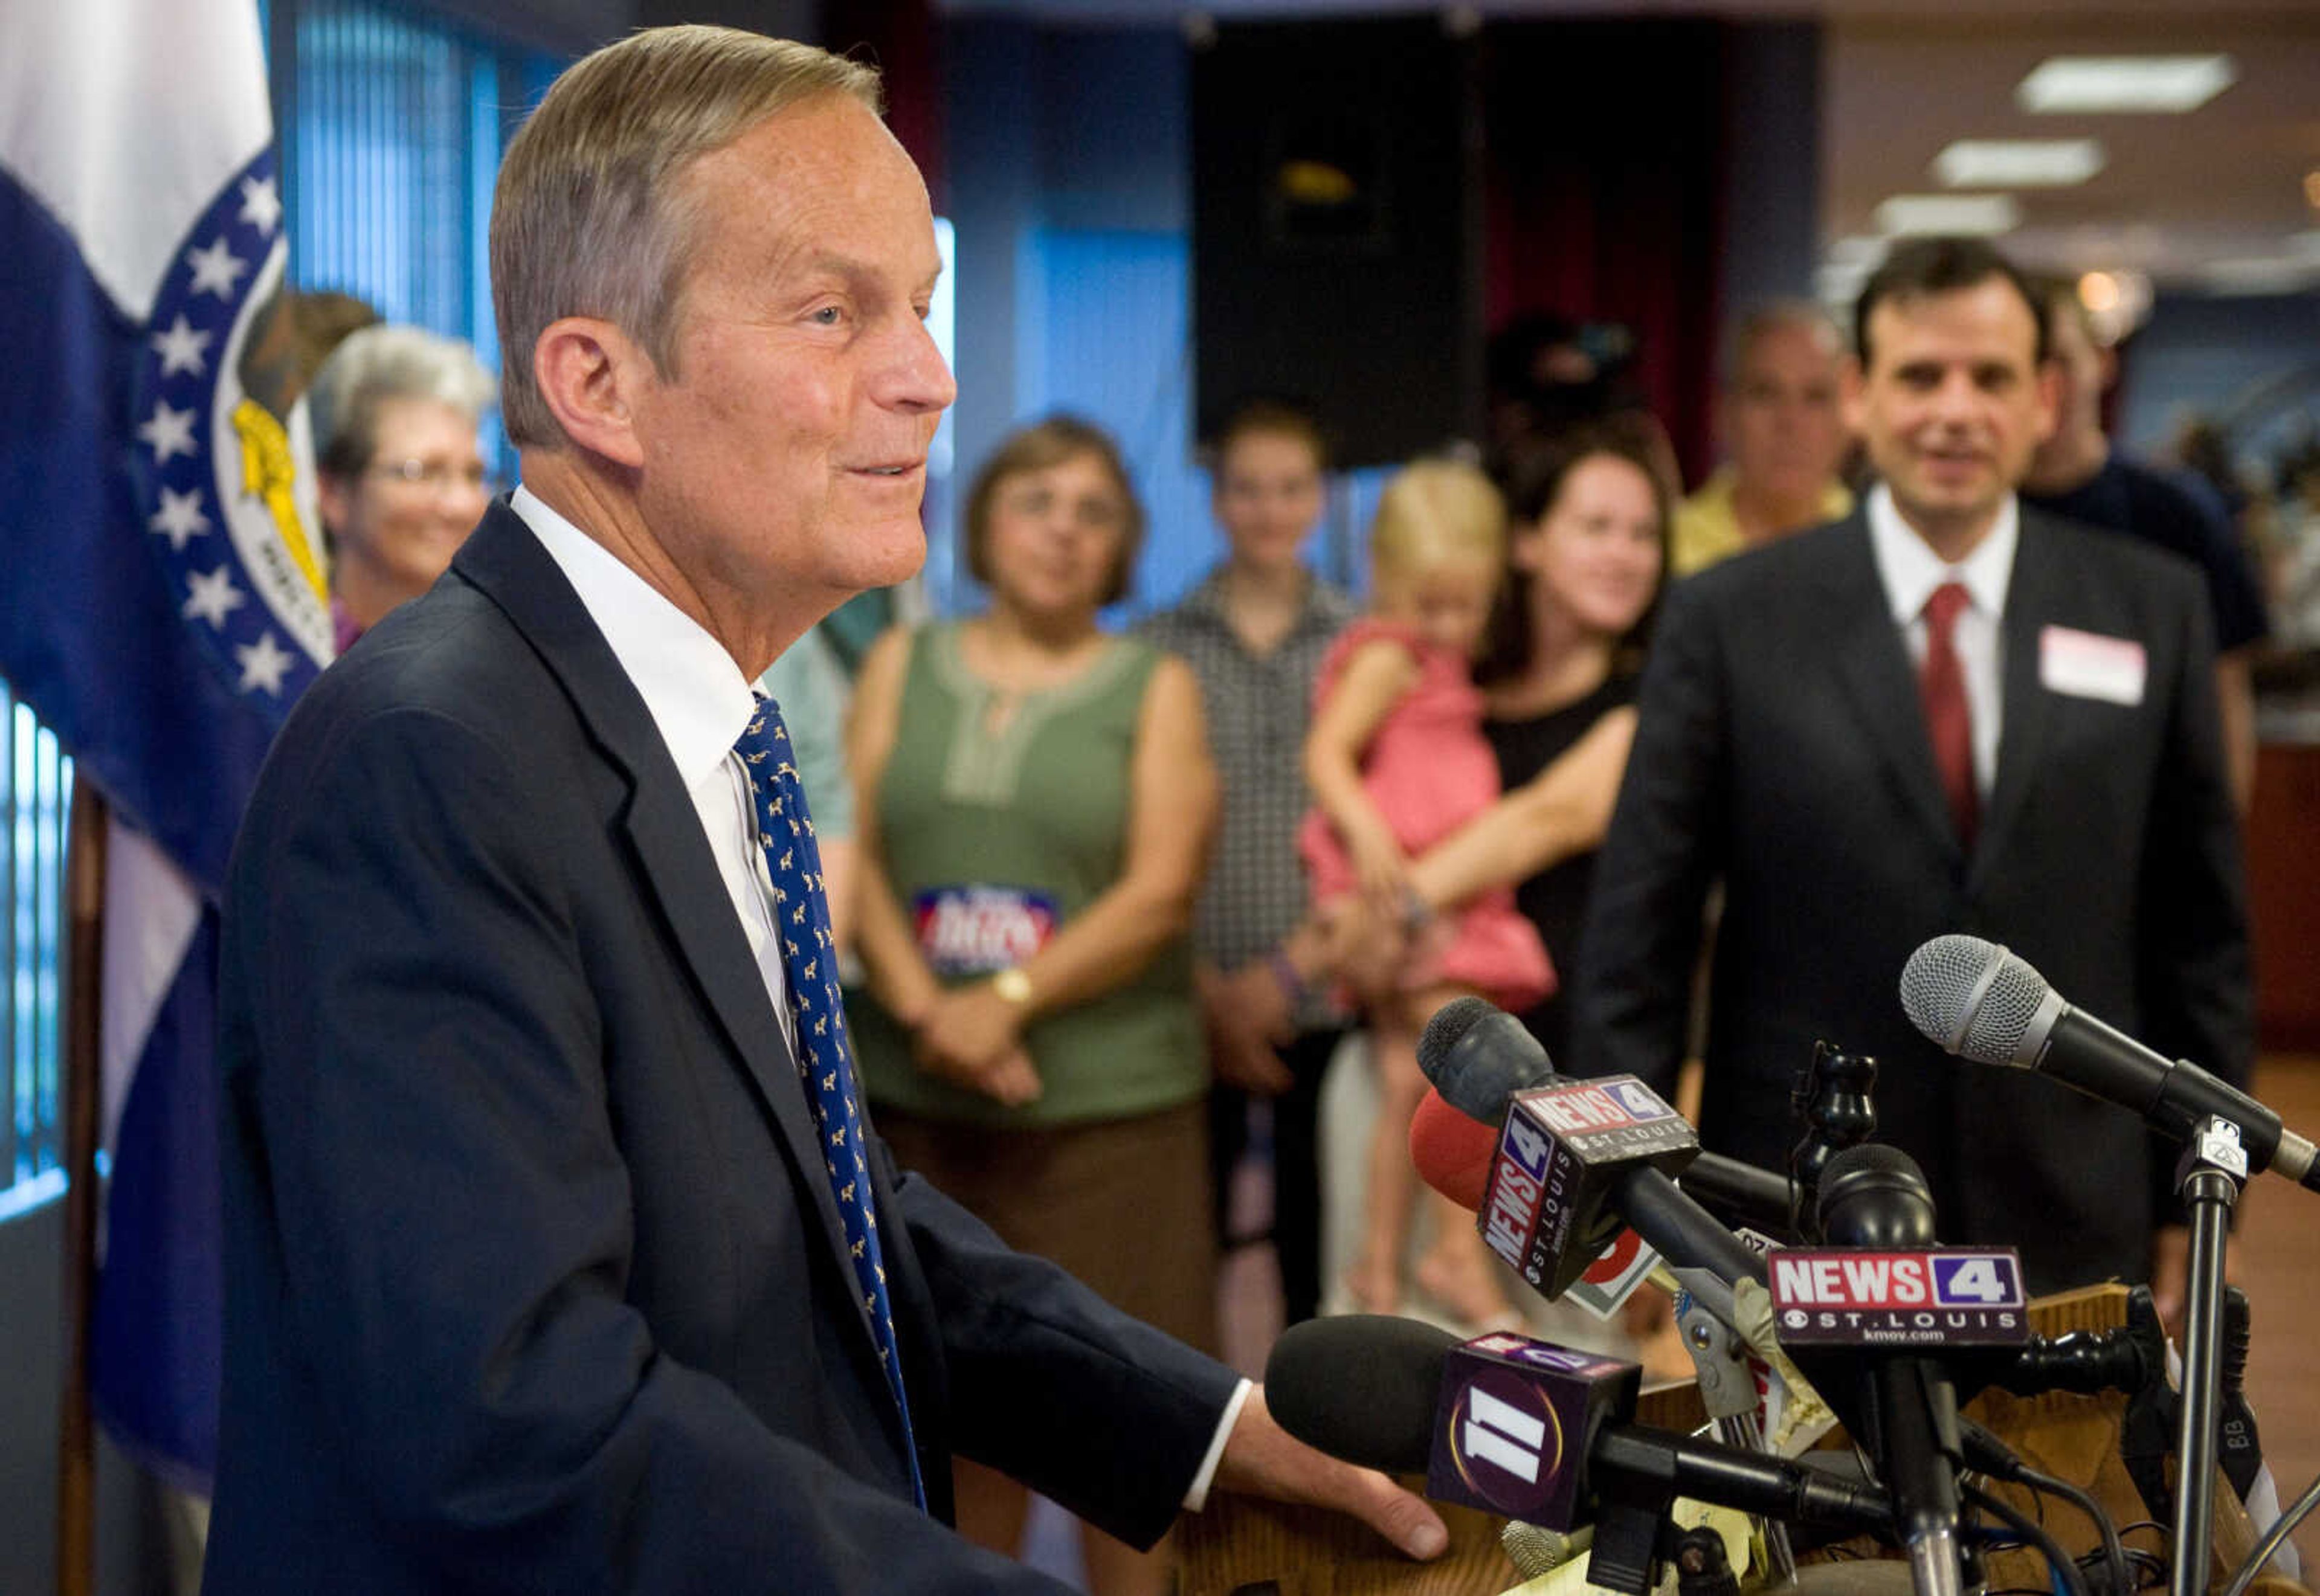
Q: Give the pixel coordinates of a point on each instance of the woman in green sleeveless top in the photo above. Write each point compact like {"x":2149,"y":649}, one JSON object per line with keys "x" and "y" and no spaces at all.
{"x":1036,"y":804}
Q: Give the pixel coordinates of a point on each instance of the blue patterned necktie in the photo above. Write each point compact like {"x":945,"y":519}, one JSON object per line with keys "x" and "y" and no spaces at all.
{"x":824,"y":1058}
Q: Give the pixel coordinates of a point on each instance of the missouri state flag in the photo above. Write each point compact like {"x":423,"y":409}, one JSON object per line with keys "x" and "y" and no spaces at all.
{"x":163,"y":594}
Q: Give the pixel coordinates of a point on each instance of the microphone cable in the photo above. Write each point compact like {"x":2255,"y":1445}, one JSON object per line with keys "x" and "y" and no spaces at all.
{"x":2065,"y":1572}
{"x":1987,"y":1454}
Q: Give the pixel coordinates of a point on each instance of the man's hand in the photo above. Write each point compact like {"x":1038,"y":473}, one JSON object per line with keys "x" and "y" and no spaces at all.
{"x":1262,"y":1459}
{"x":1248,"y":1015}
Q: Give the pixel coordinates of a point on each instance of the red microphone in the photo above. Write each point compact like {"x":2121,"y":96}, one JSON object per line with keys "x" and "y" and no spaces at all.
{"x":1454,"y":1153}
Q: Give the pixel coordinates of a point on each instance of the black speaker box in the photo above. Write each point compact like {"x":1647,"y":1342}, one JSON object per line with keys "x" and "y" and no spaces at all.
{"x":1337,"y":230}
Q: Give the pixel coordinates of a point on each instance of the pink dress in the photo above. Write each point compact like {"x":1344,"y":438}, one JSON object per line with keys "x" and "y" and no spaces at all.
{"x":1429,"y":771}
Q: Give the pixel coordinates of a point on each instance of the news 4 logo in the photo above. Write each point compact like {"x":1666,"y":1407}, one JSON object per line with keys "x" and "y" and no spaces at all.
{"x":1518,"y":1184}
{"x":1616,"y":1104}
{"x":1942,"y":1297}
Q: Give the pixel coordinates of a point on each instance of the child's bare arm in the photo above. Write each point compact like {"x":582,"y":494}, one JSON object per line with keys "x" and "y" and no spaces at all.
{"x":1374,"y":680}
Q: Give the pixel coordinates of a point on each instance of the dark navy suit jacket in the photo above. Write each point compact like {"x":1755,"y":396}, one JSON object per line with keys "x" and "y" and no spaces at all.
{"x":534,"y":1278}
{"x":1781,"y":748}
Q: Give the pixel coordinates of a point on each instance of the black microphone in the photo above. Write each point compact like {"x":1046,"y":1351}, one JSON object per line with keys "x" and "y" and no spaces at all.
{"x":1981,"y":1002}
{"x":1477,"y":1062}
{"x":1483,"y":1063}
{"x":1875,"y":1198}
{"x":1517,"y":1427}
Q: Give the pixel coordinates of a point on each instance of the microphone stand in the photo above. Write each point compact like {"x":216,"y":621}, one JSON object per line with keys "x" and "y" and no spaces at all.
{"x":2214,"y":1167}
{"x":1727,"y":1390}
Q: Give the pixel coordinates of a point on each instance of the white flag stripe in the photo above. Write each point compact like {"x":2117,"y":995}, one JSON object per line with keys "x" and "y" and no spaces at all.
{"x":125,"y":117}
{"x":151,"y":911}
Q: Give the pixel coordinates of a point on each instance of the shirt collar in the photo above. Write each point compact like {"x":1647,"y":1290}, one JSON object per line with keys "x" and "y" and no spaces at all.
{"x":695,"y":693}
{"x":1836,"y":498}
{"x":1911,"y":570}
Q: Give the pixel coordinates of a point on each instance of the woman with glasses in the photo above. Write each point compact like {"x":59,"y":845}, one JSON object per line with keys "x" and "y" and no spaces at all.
{"x":1035,"y":803}
{"x":400,"y":479}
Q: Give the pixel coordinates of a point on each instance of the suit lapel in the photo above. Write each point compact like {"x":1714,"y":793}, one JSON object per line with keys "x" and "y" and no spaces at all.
{"x":1873,"y":666}
{"x":2030,"y":602}
{"x":507,"y":562}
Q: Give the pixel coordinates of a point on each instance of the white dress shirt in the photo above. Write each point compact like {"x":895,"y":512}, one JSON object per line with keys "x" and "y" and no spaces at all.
{"x":701,"y":702}
{"x":1911,"y":571}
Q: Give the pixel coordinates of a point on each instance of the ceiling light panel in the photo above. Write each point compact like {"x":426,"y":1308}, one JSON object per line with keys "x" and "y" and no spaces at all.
{"x":2100,"y":85}
{"x":1978,"y":215}
{"x":2018,"y":163}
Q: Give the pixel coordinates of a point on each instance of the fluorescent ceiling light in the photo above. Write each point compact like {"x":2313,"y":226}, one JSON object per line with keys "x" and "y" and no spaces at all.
{"x":2284,"y":274}
{"x":1978,"y":215}
{"x":2083,"y":84}
{"x":2018,"y":163}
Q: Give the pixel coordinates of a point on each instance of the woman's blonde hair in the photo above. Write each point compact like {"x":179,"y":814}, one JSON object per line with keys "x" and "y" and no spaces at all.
{"x":1432,"y":512}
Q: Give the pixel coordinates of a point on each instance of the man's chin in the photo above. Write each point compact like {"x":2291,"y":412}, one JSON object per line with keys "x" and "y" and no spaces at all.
{"x":892,"y":555}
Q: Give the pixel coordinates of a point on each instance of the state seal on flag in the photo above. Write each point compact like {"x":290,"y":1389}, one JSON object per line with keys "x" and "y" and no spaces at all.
{"x":225,"y":459}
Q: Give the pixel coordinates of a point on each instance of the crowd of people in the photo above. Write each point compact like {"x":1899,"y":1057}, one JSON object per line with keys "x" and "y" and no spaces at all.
{"x":1096,"y":892}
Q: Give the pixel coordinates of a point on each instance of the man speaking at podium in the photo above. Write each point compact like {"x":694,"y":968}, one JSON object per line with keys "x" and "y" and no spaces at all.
{"x":559,"y":1254}
{"x":1946,"y":712}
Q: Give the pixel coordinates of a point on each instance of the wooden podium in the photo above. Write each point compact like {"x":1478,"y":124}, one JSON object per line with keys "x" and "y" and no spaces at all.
{"x":1240,"y":1547}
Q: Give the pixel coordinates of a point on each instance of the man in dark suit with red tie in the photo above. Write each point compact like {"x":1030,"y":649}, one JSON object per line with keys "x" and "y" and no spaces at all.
{"x":1946,"y":712}
{"x":559,"y":1254}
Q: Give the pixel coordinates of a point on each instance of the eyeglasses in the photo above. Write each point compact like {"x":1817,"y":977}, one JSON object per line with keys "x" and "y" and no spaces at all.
{"x":436,"y":476}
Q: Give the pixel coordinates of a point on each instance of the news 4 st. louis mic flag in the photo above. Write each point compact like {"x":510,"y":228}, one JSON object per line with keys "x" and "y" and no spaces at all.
{"x":163,"y":598}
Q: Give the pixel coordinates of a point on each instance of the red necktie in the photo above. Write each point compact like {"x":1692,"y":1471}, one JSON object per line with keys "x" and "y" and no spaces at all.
{"x":1949,"y":719}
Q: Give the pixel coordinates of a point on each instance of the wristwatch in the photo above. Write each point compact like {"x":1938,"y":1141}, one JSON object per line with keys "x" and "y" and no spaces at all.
{"x":1013,"y":986}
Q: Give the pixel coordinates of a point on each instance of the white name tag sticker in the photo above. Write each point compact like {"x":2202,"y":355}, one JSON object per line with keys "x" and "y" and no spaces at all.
{"x":2089,"y":665}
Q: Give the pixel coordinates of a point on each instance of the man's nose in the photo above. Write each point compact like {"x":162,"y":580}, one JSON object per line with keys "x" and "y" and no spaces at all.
{"x":920,"y":379}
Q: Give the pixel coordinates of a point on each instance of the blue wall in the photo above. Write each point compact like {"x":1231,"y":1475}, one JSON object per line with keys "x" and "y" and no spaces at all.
{"x":2209,"y":356}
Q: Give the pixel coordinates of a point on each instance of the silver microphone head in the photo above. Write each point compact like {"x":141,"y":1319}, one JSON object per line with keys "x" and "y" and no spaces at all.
{"x":1975,"y":999}
{"x":1535,"y":1552}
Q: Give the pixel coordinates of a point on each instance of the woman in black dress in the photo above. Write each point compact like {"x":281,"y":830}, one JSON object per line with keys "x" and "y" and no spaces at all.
{"x":1589,"y":556}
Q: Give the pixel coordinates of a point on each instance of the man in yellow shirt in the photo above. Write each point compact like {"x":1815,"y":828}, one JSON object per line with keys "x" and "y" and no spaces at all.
{"x":1780,"y":416}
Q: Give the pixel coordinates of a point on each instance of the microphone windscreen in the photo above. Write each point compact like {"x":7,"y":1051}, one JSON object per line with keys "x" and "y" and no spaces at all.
{"x":1875,"y":1195}
{"x":1453,"y":1153}
{"x":1971,"y":998}
{"x":1478,"y":1056}
{"x":1361,"y":1387}
{"x":1450,"y":1023}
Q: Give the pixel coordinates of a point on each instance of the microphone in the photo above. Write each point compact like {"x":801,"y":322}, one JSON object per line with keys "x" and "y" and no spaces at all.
{"x":1978,"y":1001}
{"x":1575,"y":1157}
{"x":1478,"y":1057}
{"x":1518,"y":1427}
{"x":1875,"y":1199}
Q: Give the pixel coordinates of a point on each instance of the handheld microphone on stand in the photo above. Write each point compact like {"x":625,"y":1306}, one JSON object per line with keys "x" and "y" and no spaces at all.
{"x":1982,"y":1002}
{"x":1520,"y":1428}
{"x":1875,"y":1199}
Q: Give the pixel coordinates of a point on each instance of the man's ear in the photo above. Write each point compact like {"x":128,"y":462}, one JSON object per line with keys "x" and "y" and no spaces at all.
{"x":590,"y":373}
{"x":2048,"y":399}
{"x":1853,"y":384}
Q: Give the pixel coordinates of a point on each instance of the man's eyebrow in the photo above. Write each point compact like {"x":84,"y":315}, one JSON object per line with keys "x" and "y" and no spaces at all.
{"x":851,"y":268}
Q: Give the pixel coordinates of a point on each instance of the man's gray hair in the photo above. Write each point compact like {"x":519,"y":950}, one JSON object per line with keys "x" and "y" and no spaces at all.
{"x":376,"y":365}
{"x":1778,"y":315}
{"x":592,"y":216}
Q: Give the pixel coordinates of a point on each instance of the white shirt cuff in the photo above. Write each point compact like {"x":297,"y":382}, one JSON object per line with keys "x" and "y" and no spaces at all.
{"x":1197,"y":1497}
